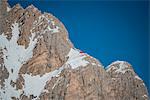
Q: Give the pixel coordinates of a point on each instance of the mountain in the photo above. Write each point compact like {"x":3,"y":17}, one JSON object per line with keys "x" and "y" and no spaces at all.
{"x":39,"y":62}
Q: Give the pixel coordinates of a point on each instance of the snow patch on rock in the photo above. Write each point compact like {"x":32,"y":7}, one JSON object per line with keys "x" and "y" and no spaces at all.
{"x":137,"y":77}
{"x":122,"y":67}
{"x":34,"y":85}
{"x":52,"y":30}
{"x":8,"y":9}
{"x":93,"y":64}
{"x":76,"y":59}
{"x":14,"y":57}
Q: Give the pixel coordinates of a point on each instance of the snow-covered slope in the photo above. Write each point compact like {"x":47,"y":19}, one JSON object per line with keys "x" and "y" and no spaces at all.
{"x":14,"y":57}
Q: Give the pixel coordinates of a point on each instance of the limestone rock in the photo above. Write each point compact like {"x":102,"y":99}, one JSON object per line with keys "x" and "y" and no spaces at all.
{"x":126,"y":84}
{"x":39,"y":62}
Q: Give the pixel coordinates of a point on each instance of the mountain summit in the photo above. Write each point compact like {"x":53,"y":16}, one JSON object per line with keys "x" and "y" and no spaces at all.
{"x":39,"y":62}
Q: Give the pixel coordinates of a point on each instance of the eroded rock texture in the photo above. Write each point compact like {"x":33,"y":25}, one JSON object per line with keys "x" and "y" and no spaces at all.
{"x":38,"y":62}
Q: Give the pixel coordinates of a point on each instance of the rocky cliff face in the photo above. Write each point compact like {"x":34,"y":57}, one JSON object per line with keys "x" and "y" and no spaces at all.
{"x":38,"y":62}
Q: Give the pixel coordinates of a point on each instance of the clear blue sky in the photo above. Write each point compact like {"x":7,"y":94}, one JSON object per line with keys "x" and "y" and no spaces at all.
{"x":108,"y":31}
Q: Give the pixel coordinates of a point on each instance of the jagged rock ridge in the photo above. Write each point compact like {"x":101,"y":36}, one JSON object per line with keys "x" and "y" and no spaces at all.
{"x":38,"y":62}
